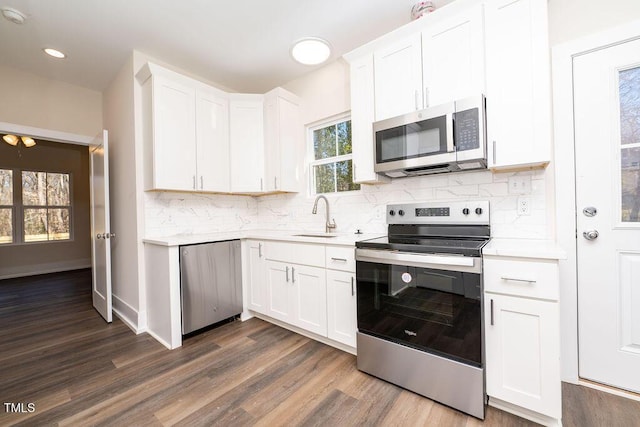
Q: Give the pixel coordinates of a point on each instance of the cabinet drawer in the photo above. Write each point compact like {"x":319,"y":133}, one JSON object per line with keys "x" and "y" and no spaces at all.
{"x":341,"y":258}
{"x":295,"y":253}
{"x":531,"y":278}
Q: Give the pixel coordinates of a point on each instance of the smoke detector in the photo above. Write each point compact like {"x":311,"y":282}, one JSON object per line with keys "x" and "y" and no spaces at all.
{"x":13,"y":15}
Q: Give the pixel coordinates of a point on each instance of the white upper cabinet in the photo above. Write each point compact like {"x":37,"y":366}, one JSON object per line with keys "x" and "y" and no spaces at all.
{"x":453,"y":57}
{"x":518,"y":84}
{"x":398,"y":78}
{"x":362,"y":118}
{"x":284,"y":138}
{"x":246,"y":132}
{"x":185,"y":126}
{"x":212,"y":148}
{"x":170,"y":134}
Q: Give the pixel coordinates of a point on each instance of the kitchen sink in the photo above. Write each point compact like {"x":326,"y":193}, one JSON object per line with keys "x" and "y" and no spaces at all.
{"x":322,"y":235}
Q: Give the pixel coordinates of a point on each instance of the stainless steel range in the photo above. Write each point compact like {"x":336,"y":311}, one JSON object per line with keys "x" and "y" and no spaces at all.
{"x":420,"y":302}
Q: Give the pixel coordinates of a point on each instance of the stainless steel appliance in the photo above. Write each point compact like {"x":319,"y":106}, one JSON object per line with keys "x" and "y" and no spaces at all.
{"x":419,"y":304}
{"x":210,"y":283}
{"x":443,"y":138}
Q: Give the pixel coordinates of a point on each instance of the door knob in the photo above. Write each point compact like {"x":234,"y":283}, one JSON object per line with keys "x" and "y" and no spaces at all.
{"x":590,"y":211}
{"x":591,"y":234}
{"x":99,"y":236}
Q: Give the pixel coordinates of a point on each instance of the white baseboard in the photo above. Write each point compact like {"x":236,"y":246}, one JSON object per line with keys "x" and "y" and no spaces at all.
{"x":33,"y":270}
{"x":524,"y":413}
{"x":129,"y":315}
{"x":307,"y":334}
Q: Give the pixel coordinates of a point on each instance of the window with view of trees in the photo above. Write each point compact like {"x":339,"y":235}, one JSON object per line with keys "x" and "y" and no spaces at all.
{"x":6,"y":206}
{"x":41,"y":209}
{"x":332,"y":165}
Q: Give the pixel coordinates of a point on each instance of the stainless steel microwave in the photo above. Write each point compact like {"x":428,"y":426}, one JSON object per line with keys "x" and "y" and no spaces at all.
{"x":444,"y":138}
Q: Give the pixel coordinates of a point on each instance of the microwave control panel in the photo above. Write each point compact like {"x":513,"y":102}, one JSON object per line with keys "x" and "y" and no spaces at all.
{"x":466,"y":131}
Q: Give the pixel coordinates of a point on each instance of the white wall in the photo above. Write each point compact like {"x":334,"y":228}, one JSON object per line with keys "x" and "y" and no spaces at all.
{"x":570,"y":19}
{"x":124,"y":167}
{"x":35,"y":101}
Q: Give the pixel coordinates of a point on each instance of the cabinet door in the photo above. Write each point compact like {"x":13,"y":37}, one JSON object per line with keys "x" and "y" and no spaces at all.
{"x":341,"y":307}
{"x":362,"y":118}
{"x":257,"y":287}
{"x":310,"y":303}
{"x":523,"y":353}
{"x":283,"y":136}
{"x":398,"y":78}
{"x":246,"y":144}
{"x":174,"y":135}
{"x":518,"y":83}
{"x":279,"y":291}
{"x":453,"y":58}
{"x":212,"y":124}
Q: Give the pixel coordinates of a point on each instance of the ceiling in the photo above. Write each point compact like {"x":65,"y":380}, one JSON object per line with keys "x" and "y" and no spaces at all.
{"x":241,"y":45}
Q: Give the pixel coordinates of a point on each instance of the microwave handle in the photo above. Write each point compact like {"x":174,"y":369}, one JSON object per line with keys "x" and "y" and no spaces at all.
{"x":450,"y":124}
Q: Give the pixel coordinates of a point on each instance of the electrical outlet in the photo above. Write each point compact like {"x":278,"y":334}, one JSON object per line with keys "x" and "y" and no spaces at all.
{"x":520,"y":184}
{"x":524,"y":206}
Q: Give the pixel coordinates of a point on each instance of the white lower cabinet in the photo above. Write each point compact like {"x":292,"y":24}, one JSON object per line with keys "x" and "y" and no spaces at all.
{"x":522,"y":339}
{"x":256,"y":271}
{"x":309,"y":286}
{"x":310,"y":298}
{"x":341,"y":307}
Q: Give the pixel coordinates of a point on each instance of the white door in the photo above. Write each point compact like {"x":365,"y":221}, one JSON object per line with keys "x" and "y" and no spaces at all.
{"x":310,"y":305}
{"x":607,"y":139}
{"x":100,"y":226}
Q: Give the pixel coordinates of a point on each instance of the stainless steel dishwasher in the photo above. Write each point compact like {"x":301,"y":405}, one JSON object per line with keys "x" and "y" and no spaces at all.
{"x":210,"y":283}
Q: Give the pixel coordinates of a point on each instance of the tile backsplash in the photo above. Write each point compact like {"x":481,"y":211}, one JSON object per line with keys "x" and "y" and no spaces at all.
{"x":189,"y":213}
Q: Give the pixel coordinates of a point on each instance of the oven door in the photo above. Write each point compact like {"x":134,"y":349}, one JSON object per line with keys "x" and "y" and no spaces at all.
{"x":428,"y":302}
{"x":415,"y":140}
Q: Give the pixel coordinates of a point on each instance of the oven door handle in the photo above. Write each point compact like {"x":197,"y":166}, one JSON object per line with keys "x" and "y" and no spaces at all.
{"x":439,"y":262}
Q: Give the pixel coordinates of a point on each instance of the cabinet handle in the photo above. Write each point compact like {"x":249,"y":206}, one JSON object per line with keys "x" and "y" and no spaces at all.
{"x":352,"y":290}
{"x":287,"y":273}
{"x":275,"y":182}
{"x":494,"y":152}
{"x":293,"y":275}
{"x":339,"y":259}
{"x":492,"y":312}
{"x":426,"y":97}
{"x":416,"y":94}
{"x":353,"y":171}
{"x":201,"y":182}
{"x":259,"y":250}
{"x":260,"y":184}
{"x":194,"y":182}
{"x":514,"y":279}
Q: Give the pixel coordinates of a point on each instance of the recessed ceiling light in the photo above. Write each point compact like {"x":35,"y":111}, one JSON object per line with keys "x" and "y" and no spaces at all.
{"x":13,"y":15}
{"x":311,"y":51}
{"x":55,"y":53}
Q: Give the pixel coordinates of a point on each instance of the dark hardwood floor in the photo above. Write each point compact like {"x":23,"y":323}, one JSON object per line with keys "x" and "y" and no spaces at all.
{"x":58,"y":354}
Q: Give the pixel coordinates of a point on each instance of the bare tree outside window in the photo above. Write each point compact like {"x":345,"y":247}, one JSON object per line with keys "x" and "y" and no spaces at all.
{"x":6,"y":206}
{"x":332,"y":165}
{"x":46,"y":205}
{"x":629,"y":92}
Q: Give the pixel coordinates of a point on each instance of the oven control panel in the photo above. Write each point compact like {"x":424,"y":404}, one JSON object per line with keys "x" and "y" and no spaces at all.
{"x":471,"y":212}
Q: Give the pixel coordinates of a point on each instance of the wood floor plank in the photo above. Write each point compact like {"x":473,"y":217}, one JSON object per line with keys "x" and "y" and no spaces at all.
{"x":58,"y":353}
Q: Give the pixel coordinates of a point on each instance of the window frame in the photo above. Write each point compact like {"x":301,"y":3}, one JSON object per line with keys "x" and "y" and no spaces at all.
{"x":19,"y":207}
{"x":11,"y":207}
{"x":312,"y":162}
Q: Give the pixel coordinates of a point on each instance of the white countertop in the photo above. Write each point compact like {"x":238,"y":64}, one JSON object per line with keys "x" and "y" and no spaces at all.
{"x":344,"y":239}
{"x":524,"y":248}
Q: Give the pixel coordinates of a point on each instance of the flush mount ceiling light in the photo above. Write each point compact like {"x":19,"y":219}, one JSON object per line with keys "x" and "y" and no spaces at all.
{"x":311,"y":51}
{"x":55,"y":53}
{"x":13,"y":15}
{"x":27,"y":141}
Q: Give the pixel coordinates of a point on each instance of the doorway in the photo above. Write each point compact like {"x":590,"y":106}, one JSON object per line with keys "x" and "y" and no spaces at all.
{"x":597,"y":151}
